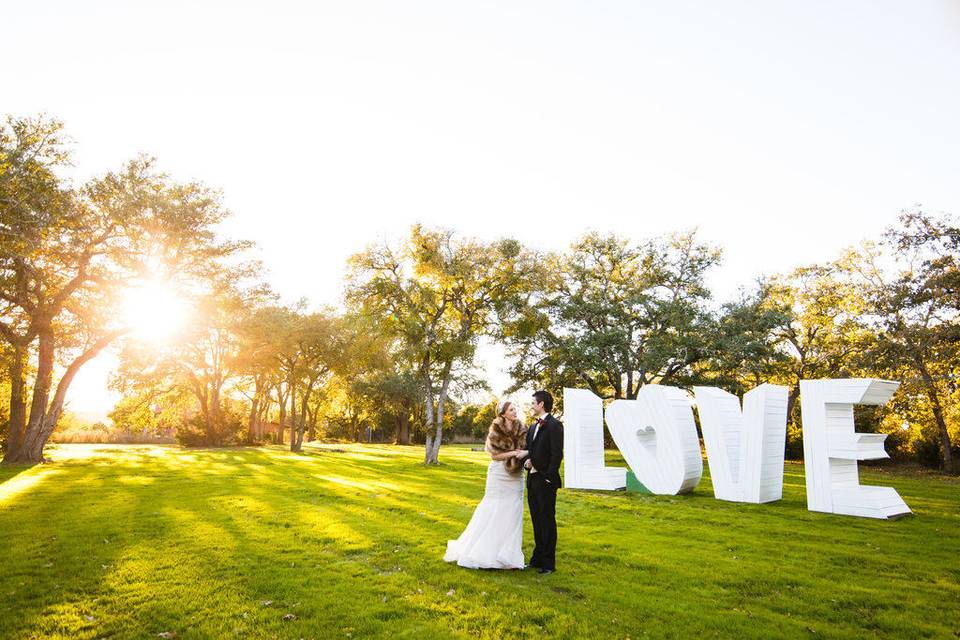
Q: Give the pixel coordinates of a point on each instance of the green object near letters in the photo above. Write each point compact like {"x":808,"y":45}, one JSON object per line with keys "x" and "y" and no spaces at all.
{"x":634,"y":485}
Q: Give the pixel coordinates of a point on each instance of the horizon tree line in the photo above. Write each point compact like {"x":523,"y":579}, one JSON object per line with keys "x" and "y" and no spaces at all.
{"x":610,"y":313}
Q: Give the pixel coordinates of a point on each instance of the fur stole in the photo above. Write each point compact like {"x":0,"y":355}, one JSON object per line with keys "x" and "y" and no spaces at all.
{"x":505,"y":435}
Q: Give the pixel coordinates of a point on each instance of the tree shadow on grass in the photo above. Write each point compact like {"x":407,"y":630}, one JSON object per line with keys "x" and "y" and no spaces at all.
{"x":192,"y":540}
{"x":136,"y":505}
{"x":8,"y":471}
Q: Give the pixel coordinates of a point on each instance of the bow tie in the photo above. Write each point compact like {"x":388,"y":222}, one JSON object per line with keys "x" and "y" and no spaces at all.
{"x":539,"y":421}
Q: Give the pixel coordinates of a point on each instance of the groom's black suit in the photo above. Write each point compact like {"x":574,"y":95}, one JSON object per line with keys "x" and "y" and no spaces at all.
{"x":546,"y":452}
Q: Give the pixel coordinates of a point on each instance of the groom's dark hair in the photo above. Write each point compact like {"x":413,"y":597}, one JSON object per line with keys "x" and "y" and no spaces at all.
{"x":545,"y":398}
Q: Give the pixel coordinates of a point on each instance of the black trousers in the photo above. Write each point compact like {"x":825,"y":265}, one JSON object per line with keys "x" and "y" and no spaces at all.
{"x":542,"y":500}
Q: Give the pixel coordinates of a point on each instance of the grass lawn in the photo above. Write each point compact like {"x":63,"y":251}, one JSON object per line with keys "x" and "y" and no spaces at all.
{"x":346,"y":541}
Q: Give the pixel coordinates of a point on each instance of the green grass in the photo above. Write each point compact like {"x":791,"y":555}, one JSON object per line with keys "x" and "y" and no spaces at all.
{"x":134,"y":541}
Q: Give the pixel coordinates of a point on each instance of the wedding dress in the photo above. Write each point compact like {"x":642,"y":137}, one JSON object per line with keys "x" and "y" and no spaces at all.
{"x":493,"y":538}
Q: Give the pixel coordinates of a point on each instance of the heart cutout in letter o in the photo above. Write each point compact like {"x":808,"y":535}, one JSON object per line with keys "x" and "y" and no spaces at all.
{"x":647,"y":437}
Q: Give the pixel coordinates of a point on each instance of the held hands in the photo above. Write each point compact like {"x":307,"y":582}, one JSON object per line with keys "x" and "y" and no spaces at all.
{"x":520,"y":454}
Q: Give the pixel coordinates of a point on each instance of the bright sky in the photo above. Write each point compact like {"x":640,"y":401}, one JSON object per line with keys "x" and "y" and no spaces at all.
{"x":783,"y":130}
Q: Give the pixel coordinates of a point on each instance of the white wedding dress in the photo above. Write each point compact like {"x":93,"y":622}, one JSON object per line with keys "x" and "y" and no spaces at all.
{"x":493,"y":538}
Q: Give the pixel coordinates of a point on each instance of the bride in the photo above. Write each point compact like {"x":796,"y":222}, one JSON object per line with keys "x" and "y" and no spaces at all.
{"x":493,"y":539}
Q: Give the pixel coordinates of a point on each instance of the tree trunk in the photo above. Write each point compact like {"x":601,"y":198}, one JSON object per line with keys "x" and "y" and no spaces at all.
{"x":296,"y":443}
{"x":252,"y":426}
{"x":30,"y":447}
{"x":304,"y":413}
{"x":438,"y":430}
{"x":282,"y":400}
{"x":263,"y":416}
{"x":213,"y":421}
{"x":252,"y":422}
{"x":294,"y":429}
{"x":41,"y":390}
{"x":930,"y":388}
{"x":429,"y":424}
{"x":433,"y":443}
{"x":792,"y":401}
{"x":18,"y":401}
{"x":355,"y":427}
{"x":403,"y":427}
{"x":43,"y":423}
{"x":312,"y":432}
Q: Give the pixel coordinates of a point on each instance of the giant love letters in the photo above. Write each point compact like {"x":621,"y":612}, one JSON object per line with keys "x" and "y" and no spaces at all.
{"x":657,"y":436}
{"x":745,"y":448}
{"x":831,"y":448}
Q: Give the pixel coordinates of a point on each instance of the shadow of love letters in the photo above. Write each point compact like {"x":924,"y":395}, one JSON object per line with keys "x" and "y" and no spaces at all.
{"x":657,"y":435}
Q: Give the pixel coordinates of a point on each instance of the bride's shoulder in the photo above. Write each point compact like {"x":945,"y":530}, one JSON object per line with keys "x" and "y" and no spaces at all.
{"x":498,"y":425}
{"x":499,"y":435}
{"x":510,"y":428}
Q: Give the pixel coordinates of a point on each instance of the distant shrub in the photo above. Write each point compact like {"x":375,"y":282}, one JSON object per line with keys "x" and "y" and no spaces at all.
{"x":471,"y":422}
{"x":928,"y":453}
{"x":193,"y":432}
{"x":794,"y":448}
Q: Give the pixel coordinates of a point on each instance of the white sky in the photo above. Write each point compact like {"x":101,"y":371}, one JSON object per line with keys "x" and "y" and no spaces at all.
{"x":783,"y":130}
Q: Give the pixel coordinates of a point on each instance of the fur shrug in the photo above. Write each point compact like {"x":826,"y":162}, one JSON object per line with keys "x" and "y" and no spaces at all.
{"x":506,"y":435}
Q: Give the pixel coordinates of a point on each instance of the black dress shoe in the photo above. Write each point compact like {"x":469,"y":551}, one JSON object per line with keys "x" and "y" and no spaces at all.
{"x":546,"y":570}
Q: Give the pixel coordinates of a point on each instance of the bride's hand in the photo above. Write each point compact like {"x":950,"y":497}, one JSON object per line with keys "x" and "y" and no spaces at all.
{"x":520,"y":454}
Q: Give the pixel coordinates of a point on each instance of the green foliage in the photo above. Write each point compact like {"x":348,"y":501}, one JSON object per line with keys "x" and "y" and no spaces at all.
{"x":911,"y":288}
{"x":613,"y":316}
{"x":436,"y":295}
{"x":473,"y":420}
{"x":196,"y":431}
{"x":152,"y":412}
{"x":611,"y":313}
{"x":821,"y":334}
{"x":748,"y":349}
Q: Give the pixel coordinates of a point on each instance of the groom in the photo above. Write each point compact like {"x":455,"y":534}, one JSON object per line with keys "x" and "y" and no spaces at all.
{"x":545,"y":447}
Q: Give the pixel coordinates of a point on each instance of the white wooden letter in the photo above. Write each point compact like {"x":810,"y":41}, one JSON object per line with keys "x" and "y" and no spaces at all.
{"x":658,"y":438}
{"x":744,"y":448}
{"x":584,"y":467}
{"x":831,"y":448}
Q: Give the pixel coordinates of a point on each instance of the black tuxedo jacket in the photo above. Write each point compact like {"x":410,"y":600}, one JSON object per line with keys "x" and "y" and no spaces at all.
{"x":546,"y":450}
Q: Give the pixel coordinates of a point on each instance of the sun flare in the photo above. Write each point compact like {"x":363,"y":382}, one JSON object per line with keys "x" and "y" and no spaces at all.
{"x":155,"y":311}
